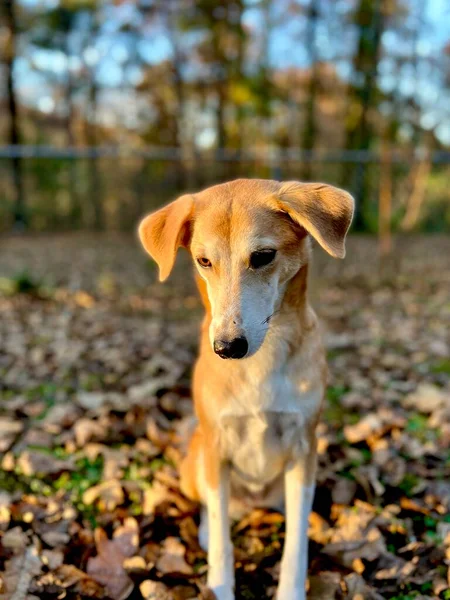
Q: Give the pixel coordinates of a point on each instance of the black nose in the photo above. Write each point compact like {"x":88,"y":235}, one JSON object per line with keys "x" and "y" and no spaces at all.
{"x":236,"y":348}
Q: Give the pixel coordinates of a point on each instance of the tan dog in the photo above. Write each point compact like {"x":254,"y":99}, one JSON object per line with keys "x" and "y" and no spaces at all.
{"x":255,"y":442}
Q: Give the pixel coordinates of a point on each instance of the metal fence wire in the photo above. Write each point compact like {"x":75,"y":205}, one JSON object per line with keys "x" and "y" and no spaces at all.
{"x":112,"y":187}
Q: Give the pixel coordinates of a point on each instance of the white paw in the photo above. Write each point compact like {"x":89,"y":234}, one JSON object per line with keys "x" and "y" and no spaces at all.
{"x":222,"y":592}
{"x":291,"y":593}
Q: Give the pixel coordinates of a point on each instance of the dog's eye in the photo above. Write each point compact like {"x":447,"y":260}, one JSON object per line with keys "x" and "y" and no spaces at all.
{"x":204,"y":262}
{"x":261,"y":258}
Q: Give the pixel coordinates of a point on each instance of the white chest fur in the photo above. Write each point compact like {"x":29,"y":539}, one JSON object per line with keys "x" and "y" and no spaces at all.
{"x":262,"y":425}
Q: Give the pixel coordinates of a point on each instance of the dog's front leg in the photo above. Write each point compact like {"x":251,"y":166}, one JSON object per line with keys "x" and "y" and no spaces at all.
{"x":299,"y":494}
{"x":220,"y":549}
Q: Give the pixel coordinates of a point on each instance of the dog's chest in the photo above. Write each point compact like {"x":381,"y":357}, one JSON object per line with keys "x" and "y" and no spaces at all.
{"x":258,"y":446}
{"x":263,"y":426}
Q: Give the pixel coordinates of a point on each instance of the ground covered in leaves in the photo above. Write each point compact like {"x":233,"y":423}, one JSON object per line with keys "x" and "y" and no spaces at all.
{"x":95,"y":361}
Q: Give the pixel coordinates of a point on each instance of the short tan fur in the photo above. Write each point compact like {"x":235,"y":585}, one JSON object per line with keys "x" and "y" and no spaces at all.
{"x":255,"y":442}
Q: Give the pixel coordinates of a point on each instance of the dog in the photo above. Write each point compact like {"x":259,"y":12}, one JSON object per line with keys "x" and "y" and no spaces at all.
{"x":260,"y":378}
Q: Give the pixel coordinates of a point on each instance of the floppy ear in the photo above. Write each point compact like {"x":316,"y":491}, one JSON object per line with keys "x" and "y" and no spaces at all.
{"x":164,"y":231}
{"x":323,"y":210}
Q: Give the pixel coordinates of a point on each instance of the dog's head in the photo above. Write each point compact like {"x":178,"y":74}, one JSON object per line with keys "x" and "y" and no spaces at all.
{"x":247,"y":238}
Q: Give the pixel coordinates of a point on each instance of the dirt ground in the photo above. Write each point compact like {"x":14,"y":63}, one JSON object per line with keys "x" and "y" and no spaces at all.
{"x":95,"y":362}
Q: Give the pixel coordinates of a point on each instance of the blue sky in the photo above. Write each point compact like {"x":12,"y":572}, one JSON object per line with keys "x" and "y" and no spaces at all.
{"x":286,"y":50}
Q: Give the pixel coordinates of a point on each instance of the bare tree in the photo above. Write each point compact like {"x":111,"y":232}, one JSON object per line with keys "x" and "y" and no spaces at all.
{"x":76,"y":209}
{"x":369,"y":19}
{"x":309,"y":130}
{"x":168,"y":9}
{"x":385,"y":199}
{"x":9,"y":10}
{"x":95,"y":188}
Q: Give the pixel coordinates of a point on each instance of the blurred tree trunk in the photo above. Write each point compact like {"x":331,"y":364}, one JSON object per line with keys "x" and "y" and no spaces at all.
{"x":95,"y":188}
{"x":170,"y":7}
{"x":414,"y":105}
{"x":415,"y":200}
{"x":20,"y":219}
{"x":76,"y":209}
{"x":385,"y":199}
{"x":179,"y":119}
{"x":369,"y":19}
{"x":265,"y":85}
{"x":309,"y":130}
{"x":239,"y":70}
{"x":220,"y":68}
{"x":220,"y":115}
{"x":94,"y":175}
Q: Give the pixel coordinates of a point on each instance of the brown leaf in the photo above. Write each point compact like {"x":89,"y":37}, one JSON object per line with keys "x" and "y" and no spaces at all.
{"x":52,"y":558}
{"x":153,"y":590}
{"x":357,"y":589}
{"x":324,"y":586}
{"x":91,"y":400}
{"x":86,"y":430}
{"x":156,"y":435}
{"x":319,"y":530}
{"x":134,"y":564}
{"x":108,"y":494}
{"x":107,"y":567}
{"x":343,"y":491}
{"x":259,"y":518}
{"x":18,"y":573}
{"x":427,"y":398}
{"x":172,"y":558}
{"x":355,"y":536}
{"x":55,"y":538}
{"x":15,"y":539}
{"x":9,"y":428}
{"x":69,"y":576}
{"x":154,"y":496}
{"x":34,"y":462}
{"x":367,"y":426}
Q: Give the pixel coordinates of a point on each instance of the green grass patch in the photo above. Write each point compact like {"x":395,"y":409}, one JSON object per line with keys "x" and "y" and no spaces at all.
{"x":333,"y":411}
{"x":335,"y":393}
{"x":417,"y":423}
{"x":23,"y":282}
{"x":47,"y":394}
{"x":409,"y":483}
{"x":418,"y":426}
{"x":442,"y":366}
{"x":88,"y":473}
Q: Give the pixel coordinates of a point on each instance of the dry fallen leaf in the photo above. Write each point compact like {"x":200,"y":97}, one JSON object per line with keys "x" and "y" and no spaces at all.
{"x":34,"y":462}
{"x":172,"y":558}
{"x":157,"y":494}
{"x":107,"y":567}
{"x":108,"y":494}
{"x":86,"y":430}
{"x":18,"y":573}
{"x":9,"y":428}
{"x":153,"y":590}
{"x":324,"y":586}
{"x":15,"y":539}
{"x":69,"y":576}
{"x":366,"y":427}
{"x":427,"y":398}
{"x":344,"y":491}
